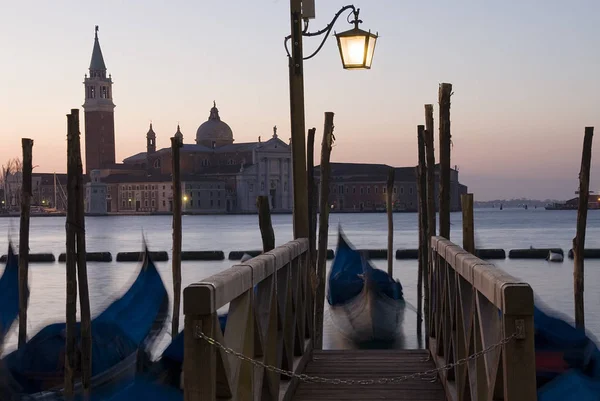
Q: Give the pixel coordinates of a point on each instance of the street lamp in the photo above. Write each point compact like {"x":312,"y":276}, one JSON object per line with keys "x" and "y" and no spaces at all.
{"x":356,"y":46}
{"x":356,"y":49}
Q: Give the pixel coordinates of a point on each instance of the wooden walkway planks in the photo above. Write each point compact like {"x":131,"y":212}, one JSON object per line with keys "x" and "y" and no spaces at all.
{"x":367,"y":364}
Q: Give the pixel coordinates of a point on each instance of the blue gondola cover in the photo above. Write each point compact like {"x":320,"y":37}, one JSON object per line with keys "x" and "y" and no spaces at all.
{"x":126,"y":325}
{"x":9,"y":293}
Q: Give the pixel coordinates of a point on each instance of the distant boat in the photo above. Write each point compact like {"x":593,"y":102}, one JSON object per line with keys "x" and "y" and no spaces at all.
{"x":554,"y":257}
{"x":366,"y":303}
{"x":128,"y":325}
{"x":561,"y":206}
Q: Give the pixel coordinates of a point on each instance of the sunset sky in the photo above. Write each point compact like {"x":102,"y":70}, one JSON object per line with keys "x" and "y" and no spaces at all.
{"x":525,"y":76}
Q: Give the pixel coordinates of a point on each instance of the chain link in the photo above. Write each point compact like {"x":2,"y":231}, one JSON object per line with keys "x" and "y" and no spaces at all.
{"x":428,"y":374}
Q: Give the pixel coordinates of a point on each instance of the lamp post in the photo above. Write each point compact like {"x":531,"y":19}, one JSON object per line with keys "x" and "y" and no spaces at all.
{"x":356,"y":50}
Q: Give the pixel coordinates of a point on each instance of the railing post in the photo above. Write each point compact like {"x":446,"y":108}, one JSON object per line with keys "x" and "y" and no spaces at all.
{"x":200,"y":358}
{"x":433,"y":296}
{"x":519,"y":354}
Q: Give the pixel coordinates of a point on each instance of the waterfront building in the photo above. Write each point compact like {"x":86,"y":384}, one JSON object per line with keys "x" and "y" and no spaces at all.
{"x":218,"y":174}
{"x":154,"y":194}
{"x":49,"y":190}
{"x":362,"y":187}
{"x":95,"y":194}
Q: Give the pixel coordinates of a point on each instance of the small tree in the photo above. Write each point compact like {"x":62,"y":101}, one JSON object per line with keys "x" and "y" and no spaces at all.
{"x":11,"y":182}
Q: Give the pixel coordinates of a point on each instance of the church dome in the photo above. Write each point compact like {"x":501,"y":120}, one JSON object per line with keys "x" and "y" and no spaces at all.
{"x":214,"y":132}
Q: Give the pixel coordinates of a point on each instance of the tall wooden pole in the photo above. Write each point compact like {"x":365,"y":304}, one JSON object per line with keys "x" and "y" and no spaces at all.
{"x":579,"y":240}
{"x":26,"y":194}
{"x":445,"y":92}
{"x":82,"y":279}
{"x":296,"y":74}
{"x":312,"y":199}
{"x":176,"y":173}
{"x":55,"y":199}
{"x":423,"y":230}
{"x":466,"y":201}
{"x":313,"y":202}
{"x":430,"y":156}
{"x":390,"y":220}
{"x":264,"y":222}
{"x":323,"y":229}
{"x":431,"y":209}
{"x":71,"y":258}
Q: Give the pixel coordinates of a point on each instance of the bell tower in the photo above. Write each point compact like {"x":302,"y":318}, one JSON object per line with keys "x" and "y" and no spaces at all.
{"x":150,"y":141}
{"x":99,"y":114}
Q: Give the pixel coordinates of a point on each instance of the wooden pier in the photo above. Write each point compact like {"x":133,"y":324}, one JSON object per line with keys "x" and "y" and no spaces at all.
{"x":480,"y":336}
{"x":370,"y":365}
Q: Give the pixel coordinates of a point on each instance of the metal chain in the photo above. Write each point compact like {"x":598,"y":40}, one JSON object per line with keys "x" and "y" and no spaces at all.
{"x":429,"y":374}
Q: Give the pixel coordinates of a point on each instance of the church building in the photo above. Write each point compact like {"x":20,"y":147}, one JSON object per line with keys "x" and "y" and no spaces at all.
{"x":218,"y":175}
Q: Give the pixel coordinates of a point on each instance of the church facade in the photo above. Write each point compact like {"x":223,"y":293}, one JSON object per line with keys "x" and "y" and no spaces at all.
{"x":245,"y":170}
{"x":218,"y":175}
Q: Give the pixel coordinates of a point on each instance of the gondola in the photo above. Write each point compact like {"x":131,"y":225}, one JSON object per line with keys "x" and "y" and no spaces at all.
{"x":9,"y":293}
{"x":125,"y":330}
{"x":9,"y":310}
{"x":155,"y":381}
{"x":366,"y":303}
{"x":567,"y":359}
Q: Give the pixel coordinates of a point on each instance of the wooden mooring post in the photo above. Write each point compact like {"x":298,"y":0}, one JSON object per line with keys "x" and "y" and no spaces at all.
{"x":26,"y":194}
{"x":423,"y":230}
{"x":579,"y":240}
{"x":264,"y":222}
{"x":445,"y":91}
{"x":326,"y":145}
{"x":430,"y":156}
{"x":431,"y":209}
{"x":390,"y":220}
{"x":71,"y":258}
{"x":176,"y":266}
{"x":468,"y":223}
{"x":312,"y":198}
{"x":82,"y":278}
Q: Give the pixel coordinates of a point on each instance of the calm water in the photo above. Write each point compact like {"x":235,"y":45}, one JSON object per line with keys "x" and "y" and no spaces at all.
{"x":506,"y":229}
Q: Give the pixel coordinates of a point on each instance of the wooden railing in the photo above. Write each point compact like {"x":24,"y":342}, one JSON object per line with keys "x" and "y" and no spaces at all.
{"x":475,"y":306}
{"x":270,"y":321}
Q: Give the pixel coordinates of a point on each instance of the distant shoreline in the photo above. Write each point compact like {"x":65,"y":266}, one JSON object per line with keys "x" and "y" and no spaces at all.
{"x":198,"y":214}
